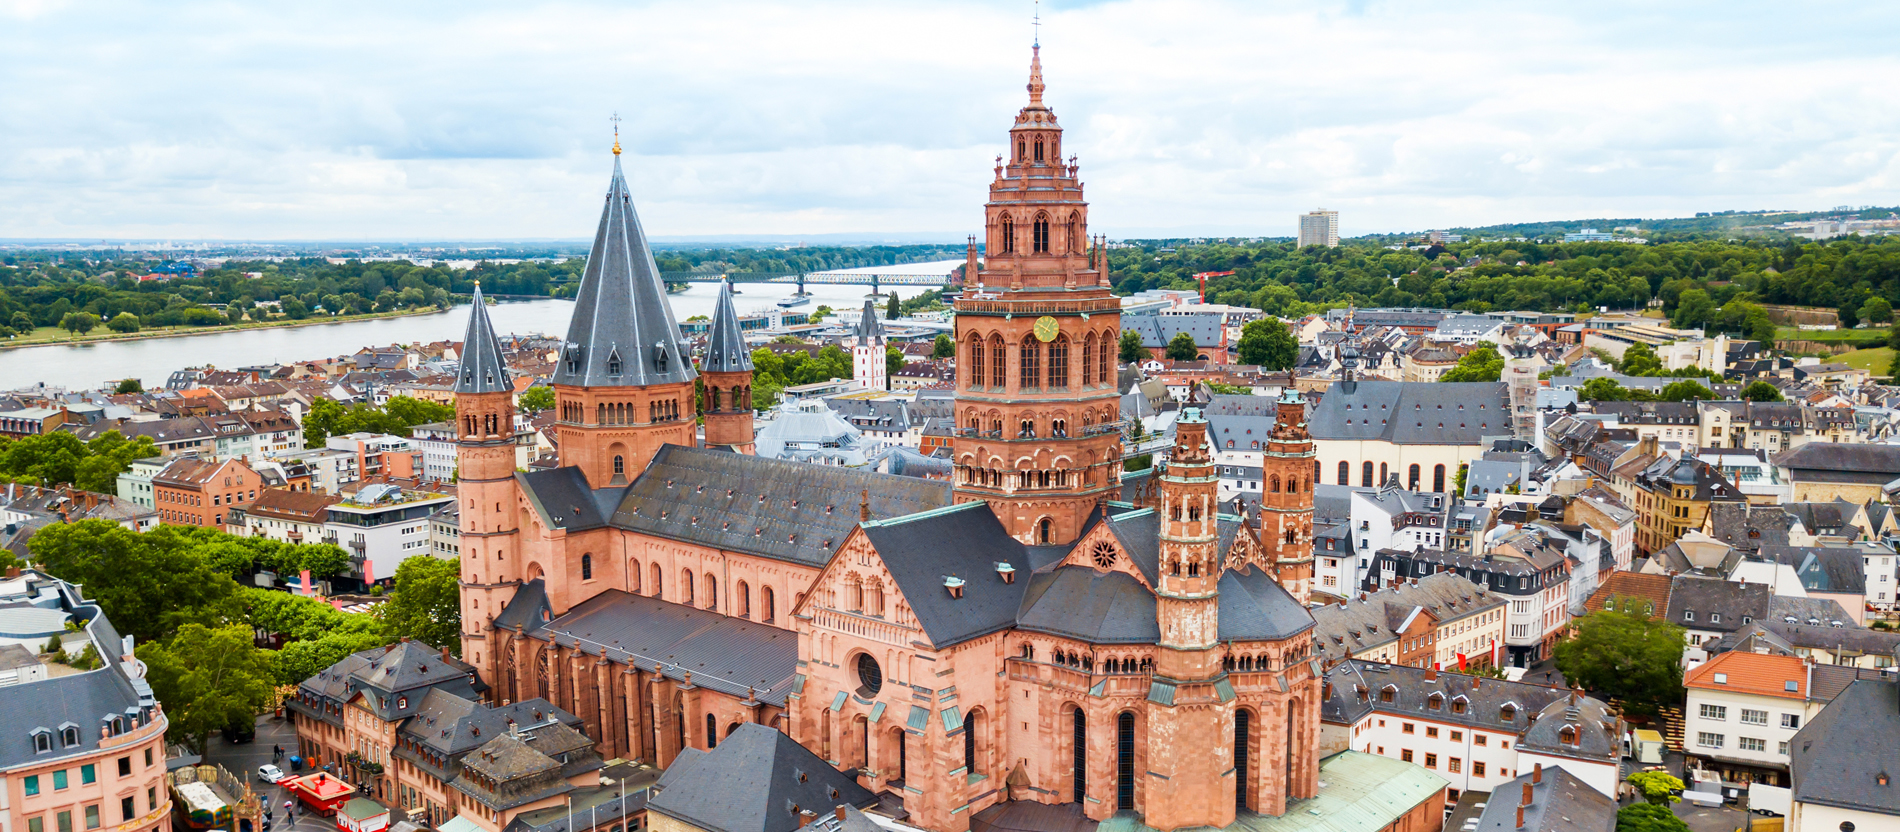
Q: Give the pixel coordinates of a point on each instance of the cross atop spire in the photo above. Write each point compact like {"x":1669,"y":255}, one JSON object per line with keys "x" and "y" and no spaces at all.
{"x":1036,"y":24}
{"x":615,"y":118}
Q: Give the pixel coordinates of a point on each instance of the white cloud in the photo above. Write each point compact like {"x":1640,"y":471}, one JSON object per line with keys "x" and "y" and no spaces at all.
{"x":469,"y":121}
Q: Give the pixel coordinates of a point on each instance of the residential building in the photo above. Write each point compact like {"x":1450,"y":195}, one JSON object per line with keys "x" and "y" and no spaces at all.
{"x":135,"y":485}
{"x":284,"y":515}
{"x":1533,"y":577}
{"x":1839,"y":762}
{"x":1551,"y":799}
{"x":192,"y":491}
{"x":1821,"y":471}
{"x":381,"y":455}
{"x":383,"y":524}
{"x":445,"y":532}
{"x":31,"y":421}
{"x":1710,"y":608}
{"x":1441,"y":621}
{"x":89,"y":749}
{"x":1319,"y":228}
{"x":1672,"y":497}
{"x":1742,"y":711}
{"x":1477,"y":733}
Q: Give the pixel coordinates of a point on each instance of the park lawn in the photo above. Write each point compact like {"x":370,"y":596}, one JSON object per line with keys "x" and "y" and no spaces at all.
{"x":1875,"y":360}
{"x":1872,"y":333}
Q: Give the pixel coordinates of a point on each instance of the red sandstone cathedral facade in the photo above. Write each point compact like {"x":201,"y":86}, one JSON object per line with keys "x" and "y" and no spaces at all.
{"x":1020,"y":634}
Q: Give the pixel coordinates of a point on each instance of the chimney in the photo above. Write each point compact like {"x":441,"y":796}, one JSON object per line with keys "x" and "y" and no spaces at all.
{"x":1431,"y":673}
{"x":1520,"y":816}
{"x":445,"y":653}
{"x":1537,"y":776}
{"x":839,"y":812}
{"x":1527,"y":795}
{"x":806,"y":816}
{"x":864,"y":505}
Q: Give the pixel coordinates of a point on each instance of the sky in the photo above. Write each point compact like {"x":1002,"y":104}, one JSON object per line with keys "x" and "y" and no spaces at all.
{"x":468,"y":120}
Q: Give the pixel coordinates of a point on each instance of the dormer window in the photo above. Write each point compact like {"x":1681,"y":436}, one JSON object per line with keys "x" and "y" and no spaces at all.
{"x":69,"y":736}
{"x":659,"y":357}
{"x":42,"y":741}
{"x":613,"y":363}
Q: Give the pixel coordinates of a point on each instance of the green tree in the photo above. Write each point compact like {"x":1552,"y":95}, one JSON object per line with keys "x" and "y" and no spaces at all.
{"x":1639,"y":360}
{"x":1268,"y":343}
{"x":413,"y":411}
{"x":943,"y":348}
{"x":1131,"y":349}
{"x":1482,"y":363}
{"x":149,"y":585}
{"x":426,"y":605}
{"x":21,"y":322}
{"x":1632,"y":658}
{"x":1694,"y":309}
{"x":893,"y":361}
{"x":129,"y":385}
{"x":78,"y":323}
{"x":124,"y":322}
{"x":537,"y":399}
{"x":1761,"y":391}
{"x":208,"y":679}
{"x":1657,"y":787}
{"x":1877,"y":310}
{"x":1849,"y":314}
{"x":1644,"y":817}
{"x":300,"y":660}
{"x":1181,"y":347}
{"x":1682,"y":391}
{"x":894,"y":309}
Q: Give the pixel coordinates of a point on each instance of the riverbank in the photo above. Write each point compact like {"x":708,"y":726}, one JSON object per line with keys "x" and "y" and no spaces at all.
{"x":102,"y":335}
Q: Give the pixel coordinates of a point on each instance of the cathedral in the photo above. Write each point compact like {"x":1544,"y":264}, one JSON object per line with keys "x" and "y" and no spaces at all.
{"x":1019,"y":634}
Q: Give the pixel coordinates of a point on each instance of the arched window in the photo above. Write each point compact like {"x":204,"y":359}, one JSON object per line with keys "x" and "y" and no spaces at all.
{"x":1508,"y":713}
{"x":1046,"y":531}
{"x":766,"y":604}
{"x":686,"y":586}
{"x":1022,"y":151}
{"x":1125,"y":761}
{"x":1030,"y":362}
{"x":1412,"y":479}
{"x":1079,"y":753}
{"x":712,"y":592}
{"x":1438,"y":477}
{"x":69,"y":737}
{"x":1059,"y":363}
{"x":999,"y":363}
{"x":1365,"y":474}
{"x":1243,"y":752}
{"x":1073,"y":235}
{"x":1009,"y":236}
{"x":633,"y":576}
{"x":1040,"y":230}
{"x":1103,"y":373}
{"x":42,"y":742}
{"x":1273,"y":484}
{"x":712,"y":732}
{"x":976,"y":360}
{"x":1567,"y":735}
{"x":1345,"y":472}
{"x":1435,"y":702}
{"x":657,"y":580}
{"x":1088,"y":360}
{"x":972,"y":725}
{"x":587,"y":567}
{"x":744,"y":600}
{"x":1038,"y":150}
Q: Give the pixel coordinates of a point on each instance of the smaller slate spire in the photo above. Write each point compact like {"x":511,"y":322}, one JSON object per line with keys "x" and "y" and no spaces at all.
{"x":483,"y":371}
{"x":725,"y":344}
{"x":869,"y":330}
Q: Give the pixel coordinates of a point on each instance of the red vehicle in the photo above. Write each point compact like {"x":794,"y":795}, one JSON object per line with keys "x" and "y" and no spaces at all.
{"x":321,"y":792}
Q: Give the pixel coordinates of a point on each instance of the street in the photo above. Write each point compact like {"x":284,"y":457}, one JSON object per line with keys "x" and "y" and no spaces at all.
{"x":243,"y":759}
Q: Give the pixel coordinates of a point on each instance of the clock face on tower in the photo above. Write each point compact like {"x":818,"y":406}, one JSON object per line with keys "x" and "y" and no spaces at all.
{"x":1046,"y":329}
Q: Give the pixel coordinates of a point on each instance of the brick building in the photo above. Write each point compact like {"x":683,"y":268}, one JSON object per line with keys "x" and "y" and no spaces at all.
{"x":192,"y":491}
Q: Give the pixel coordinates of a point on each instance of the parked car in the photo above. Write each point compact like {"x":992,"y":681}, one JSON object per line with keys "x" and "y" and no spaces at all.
{"x":269,"y":773}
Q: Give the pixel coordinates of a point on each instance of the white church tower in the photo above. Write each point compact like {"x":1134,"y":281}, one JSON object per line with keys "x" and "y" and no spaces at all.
{"x":867,"y":351}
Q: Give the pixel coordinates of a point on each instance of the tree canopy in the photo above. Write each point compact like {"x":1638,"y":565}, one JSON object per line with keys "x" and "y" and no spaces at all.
{"x":1268,"y":343}
{"x":1130,"y":349}
{"x":1632,"y":658}
{"x":1646,"y":817}
{"x":209,"y":678}
{"x":328,"y":418}
{"x":1181,"y":348}
{"x":1657,"y":787}
{"x":1482,"y":363}
{"x":1761,"y":391}
{"x":426,"y":604}
{"x":536,"y":399}
{"x":60,"y":457}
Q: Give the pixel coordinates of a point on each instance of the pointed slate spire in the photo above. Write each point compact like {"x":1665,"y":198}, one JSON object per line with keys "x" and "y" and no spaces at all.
{"x":869,"y":330}
{"x":725,"y":345}
{"x":623,"y":333}
{"x":483,"y":371}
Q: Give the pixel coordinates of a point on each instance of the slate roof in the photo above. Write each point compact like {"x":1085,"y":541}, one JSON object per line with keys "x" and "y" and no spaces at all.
{"x":726,"y":350}
{"x":1412,"y":413}
{"x":869,"y":331}
{"x":1485,"y":699}
{"x":721,"y":653}
{"x":1157,"y":330}
{"x":86,"y":699}
{"x":964,"y":542}
{"x":1749,"y":528}
{"x":1597,"y":733}
{"x":482,"y":370}
{"x":620,"y":310}
{"x":1826,"y":682}
{"x":1832,"y":569}
{"x":1837,"y":757}
{"x":1562,"y":802}
{"x":451,"y":726}
{"x":1825,"y":637}
{"x":564,"y":499}
{"x":1693,"y":601}
{"x":518,"y":768}
{"x":1366,"y":620}
{"x":1246,"y":433}
{"x":756,"y":780}
{"x":1842,"y":462}
{"x":780,"y":509}
{"x":394,"y":680}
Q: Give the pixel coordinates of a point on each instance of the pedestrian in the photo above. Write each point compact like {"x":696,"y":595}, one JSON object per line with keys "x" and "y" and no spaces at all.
{"x":1546,"y":677}
{"x":287,"y":808}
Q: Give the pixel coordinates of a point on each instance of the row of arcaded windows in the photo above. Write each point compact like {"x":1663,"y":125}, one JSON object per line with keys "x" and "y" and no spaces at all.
{"x":1412,"y":481}
{"x":1039,"y":366}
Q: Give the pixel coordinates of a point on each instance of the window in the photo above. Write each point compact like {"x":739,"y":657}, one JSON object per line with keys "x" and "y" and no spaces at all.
{"x":36,"y":824}
{"x":1782,"y":748}
{"x":1405,"y":754}
{"x":1457,"y":736}
{"x":1507,"y":713}
{"x":1431,"y":731}
{"x":88,"y":773}
{"x":1708,"y":740}
{"x":1750,"y":744}
{"x":1750,"y":716}
{"x":92,"y":816}
{"x":59,"y":779}
{"x":1453,"y":764}
{"x":1407,"y":728}
{"x":1431,"y":761}
{"x":1715,"y":712}
{"x":32,"y":784}
{"x":1477,"y":768}
{"x":587,"y":564}
{"x":63,"y":821}
{"x":1791,"y":721}
{"x":127,"y":808}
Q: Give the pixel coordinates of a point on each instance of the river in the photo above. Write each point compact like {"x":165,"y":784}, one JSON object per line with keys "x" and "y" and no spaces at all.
{"x":90,"y":365}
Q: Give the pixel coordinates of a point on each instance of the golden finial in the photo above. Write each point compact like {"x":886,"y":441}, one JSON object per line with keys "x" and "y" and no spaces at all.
{"x":616,"y":120}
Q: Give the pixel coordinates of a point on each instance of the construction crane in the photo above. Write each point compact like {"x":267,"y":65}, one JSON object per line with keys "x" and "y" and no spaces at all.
{"x":1202,"y":277}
